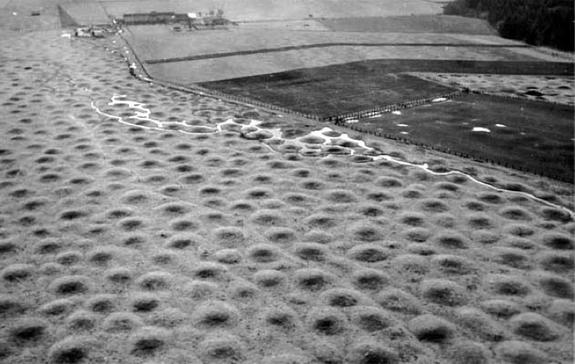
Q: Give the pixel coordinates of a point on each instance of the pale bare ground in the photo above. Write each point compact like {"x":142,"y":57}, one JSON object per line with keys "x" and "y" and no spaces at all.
{"x":159,"y":42}
{"x":207,"y":70}
{"x":427,"y":23}
{"x":16,"y":17}
{"x":550,"y":88}
{"x":121,"y":243}
{"x":291,"y":25}
{"x":244,"y":10}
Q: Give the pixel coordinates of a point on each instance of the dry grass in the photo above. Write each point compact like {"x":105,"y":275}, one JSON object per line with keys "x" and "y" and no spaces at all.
{"x":250,"y":255}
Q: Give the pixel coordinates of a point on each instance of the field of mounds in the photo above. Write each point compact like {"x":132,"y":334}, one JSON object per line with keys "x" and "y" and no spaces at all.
{"x":554,"y":89}
{"x":122,"y":243}
{"x":519,"y":133}
{"x":140,"y":224}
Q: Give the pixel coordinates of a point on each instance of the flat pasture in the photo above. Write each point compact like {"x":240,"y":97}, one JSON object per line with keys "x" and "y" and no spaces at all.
{"x":258,"y":48}
{"x":411,"y":24}
{"x":86,"y":13}
{"x":528,"y":135}
{"x":243,"y":10}
{"x":256,"y":64}
{"x":159,"y":42}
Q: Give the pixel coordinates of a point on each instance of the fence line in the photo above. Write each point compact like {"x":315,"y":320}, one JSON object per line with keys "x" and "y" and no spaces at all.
{"x":340,"y":119}
{"x":377,"y":111}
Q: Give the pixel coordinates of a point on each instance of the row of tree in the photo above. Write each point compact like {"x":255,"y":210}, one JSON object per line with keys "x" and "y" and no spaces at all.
{"x":538,"y":22}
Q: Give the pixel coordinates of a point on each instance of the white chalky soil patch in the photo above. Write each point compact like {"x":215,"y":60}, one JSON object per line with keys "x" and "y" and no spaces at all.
{"x":273,"y":137}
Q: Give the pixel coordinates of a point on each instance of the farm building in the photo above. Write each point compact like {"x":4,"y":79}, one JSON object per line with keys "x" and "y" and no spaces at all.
{"x":149,"y":18}
{"x":191,"y":20}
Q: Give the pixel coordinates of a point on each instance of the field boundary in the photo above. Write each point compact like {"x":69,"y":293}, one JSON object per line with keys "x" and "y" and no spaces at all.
{"x":326,"y":45}
{"x":246,"y":101}
{"x":370,"y":131}
{"x":199,"y":90}
{"x":342,"y":118}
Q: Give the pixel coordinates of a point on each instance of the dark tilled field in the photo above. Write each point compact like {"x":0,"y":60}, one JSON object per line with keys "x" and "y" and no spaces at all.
{"x":326,"y":93}
{"x":532,"y":136}
{"x":338,"y":89}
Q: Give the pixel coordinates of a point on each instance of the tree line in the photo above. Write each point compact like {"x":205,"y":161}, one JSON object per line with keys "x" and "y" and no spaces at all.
{"x":538,"y":22}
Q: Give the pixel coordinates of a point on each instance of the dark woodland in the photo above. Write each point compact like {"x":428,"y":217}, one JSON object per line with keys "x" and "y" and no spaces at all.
{"x":537,"y":22}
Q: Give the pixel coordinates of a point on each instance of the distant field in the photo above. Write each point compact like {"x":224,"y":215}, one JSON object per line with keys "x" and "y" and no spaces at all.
{"x":525,"y":134}
{"x":350,"y":87}
{"x":239,"y":10}
{"x":86,"y":13}
{"x":304,"y":47}
{"x":15,"y":17}
{"x":159,"y":42}
{"x":411,"y":24}
{"x":216,"y":69}
{"x":330,"y":91}
{"x":240,"y":50}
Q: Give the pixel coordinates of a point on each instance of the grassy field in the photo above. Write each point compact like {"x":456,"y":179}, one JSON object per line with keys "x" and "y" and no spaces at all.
{"x":411,"y":24}
{"x":87,"y":13}
{"x":240,"y":50}
{"x":530,"y":135}
{"x":331,"y":90}
{"x":216,"y":69}
{"x":540,"y":133}
{"x":358,"y":86}
{"x":159,"y":42}
{"x":239,"y":10}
